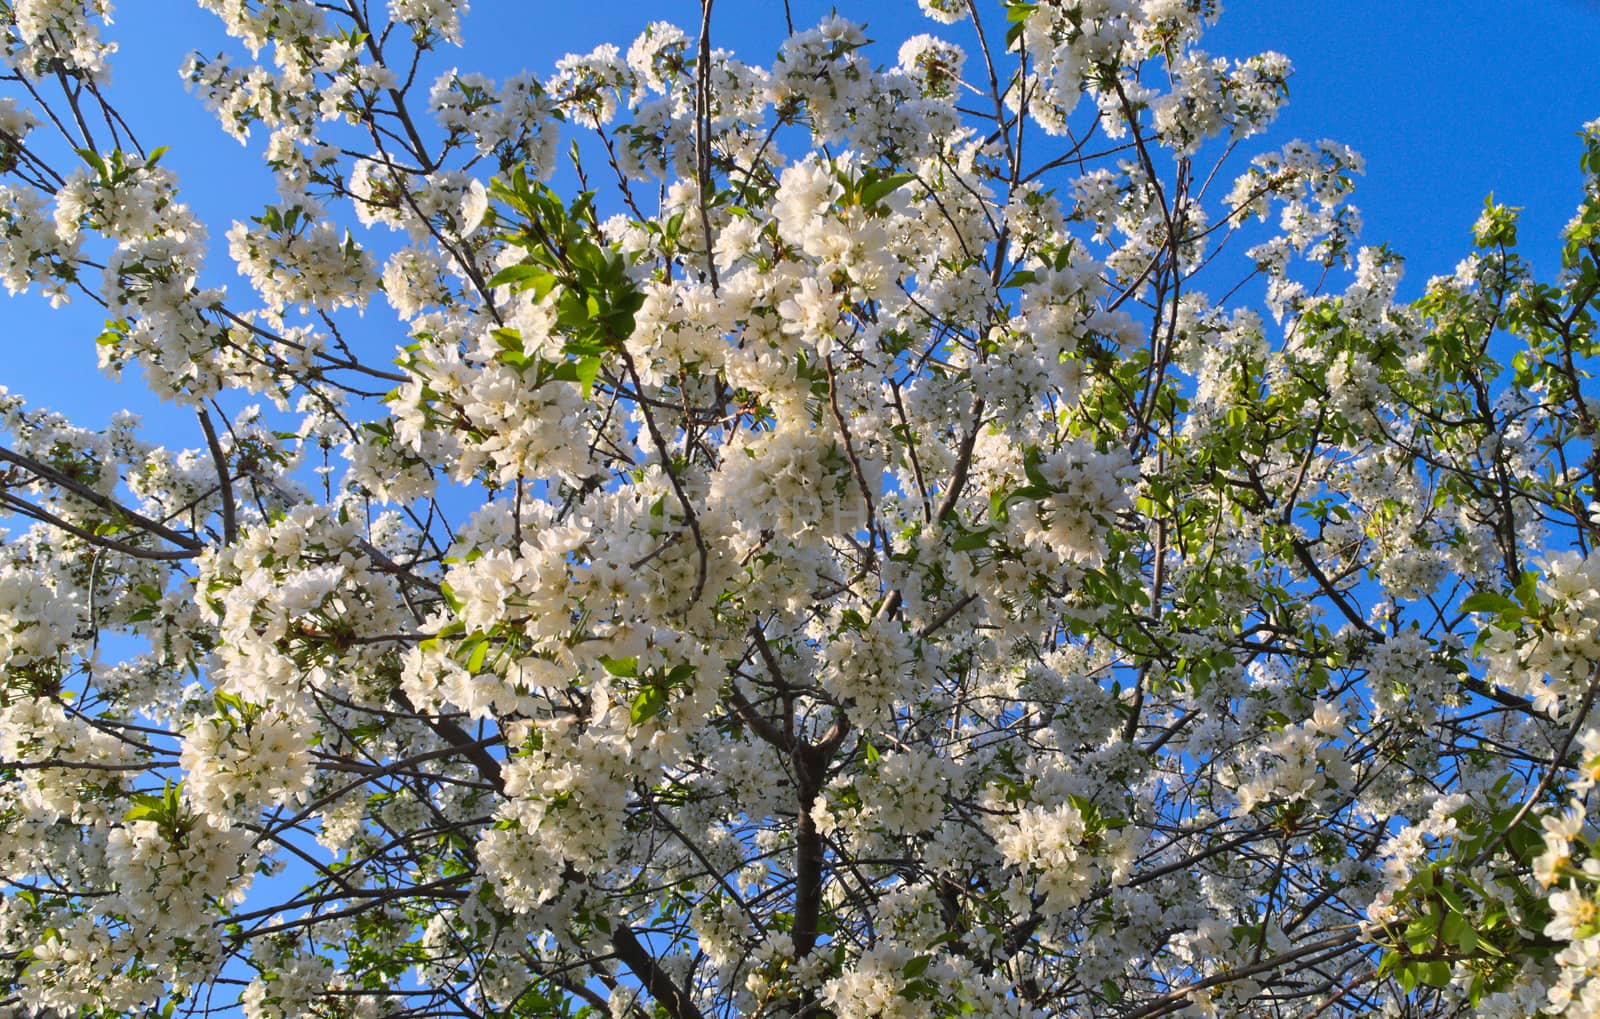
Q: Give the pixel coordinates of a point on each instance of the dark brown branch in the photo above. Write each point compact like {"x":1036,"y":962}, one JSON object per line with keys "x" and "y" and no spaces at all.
{"x":47,"y":473}
{"x":230,"y":513}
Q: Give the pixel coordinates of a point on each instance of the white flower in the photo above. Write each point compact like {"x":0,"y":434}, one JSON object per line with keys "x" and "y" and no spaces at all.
{"x":1573,"y":915}
{"x":945,"y":11}
{"x":932,"y":62}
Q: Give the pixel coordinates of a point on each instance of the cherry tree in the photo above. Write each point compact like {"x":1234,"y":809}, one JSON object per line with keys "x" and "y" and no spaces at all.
{"x":832,"y":536}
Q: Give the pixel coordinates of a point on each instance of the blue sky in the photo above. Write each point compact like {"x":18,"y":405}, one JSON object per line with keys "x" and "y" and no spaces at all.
{"x":1447,"y":102}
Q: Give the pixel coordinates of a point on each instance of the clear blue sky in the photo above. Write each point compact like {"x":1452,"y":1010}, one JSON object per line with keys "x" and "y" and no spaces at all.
{"x":1447,"y":102}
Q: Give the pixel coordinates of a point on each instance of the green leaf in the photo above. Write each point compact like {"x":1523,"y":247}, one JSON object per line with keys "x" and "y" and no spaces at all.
{"x":648,"y":704}
{"x":450,"y":598}
{"x":92,"y":157}
{"x":1406,"y":977}
{"x":917,"y":966}
{"x":973,"y":540}
{"x":587,"y":370}
{"x":1527,"y":586}
{"x":1452,"y":898}
{"x":1420,"y":932}
{"x":626,"y":668}
{"x":1387,"y":963}
{"x":146,"y":806}
{"x":523,"y":277}
{"x":142,"y":812}
{"x":1436,"y":973}
{"x":875,"y":191}
{"x":1489,"y":602}
{"x":678,"y":675}
{"x":480,"y":651}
